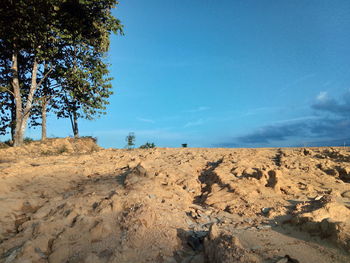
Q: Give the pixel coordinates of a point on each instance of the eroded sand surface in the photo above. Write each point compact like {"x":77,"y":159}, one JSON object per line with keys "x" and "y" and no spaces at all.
{"x":175,"y":205}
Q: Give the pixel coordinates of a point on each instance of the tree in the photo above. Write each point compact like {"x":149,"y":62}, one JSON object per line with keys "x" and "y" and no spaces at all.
{"x":130,"y":139}
{"x":44,"y":98}
{"x":86,"y":87}
{"x":23,"y":37}
{"x":32,"y":35}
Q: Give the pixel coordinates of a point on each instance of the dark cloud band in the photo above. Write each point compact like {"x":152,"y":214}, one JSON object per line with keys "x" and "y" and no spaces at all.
{"x":332,"y":125}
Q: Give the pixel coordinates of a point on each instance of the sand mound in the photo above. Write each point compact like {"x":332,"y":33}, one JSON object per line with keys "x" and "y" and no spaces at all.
{"x":173,"y":205}
{"x":52,"y":147}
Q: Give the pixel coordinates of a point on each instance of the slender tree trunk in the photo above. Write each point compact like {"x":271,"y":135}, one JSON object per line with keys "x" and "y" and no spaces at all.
{"x":44,"y":103}
{"x":74,"y":122}
{"x":76,"y":129}
{"x":17,"y":100}
{"x":43,"y":118}
{"x":13,"y":118}
{"x":22,"y":116}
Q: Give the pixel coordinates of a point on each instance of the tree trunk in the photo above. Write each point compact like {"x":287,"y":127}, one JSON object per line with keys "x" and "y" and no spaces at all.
{"x":76,"y":129}
{"x":17,"y":138}
{"x":74,"y":122}
{"x":22,"y":116}
{"x":43,"y":119}
{"x":44,"y":102}
{"x":13,"y":118}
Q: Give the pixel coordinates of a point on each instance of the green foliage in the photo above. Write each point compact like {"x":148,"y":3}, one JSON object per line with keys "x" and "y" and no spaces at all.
{"x":130,"y":140}
{"x":8,"y":142}
{"x":94,"y":139}
{"x":184,"y":145}
{"x":5,"y":111}
{"x":148,"y":145}
{"x":28,"y":140}
{"x":68,"y":39}
{"x":86,"y":87}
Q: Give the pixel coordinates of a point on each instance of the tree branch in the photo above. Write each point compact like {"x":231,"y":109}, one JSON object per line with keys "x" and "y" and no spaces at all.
{"x":8,"y":90}
{"x":45,"y":76}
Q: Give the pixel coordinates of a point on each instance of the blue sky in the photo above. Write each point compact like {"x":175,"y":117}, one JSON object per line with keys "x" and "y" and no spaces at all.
{"x":227,"y":73}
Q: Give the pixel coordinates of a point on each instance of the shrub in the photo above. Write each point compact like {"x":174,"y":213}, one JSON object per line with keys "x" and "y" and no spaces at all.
{"x":148,"y":145}
{"x":28,"y":140}
{"x":90,"y":137}
{"x":8,"y":142}
{"x":184,"y":145}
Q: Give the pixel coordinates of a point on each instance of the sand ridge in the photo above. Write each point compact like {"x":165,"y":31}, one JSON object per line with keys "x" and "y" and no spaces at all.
{"x":174,"y":205}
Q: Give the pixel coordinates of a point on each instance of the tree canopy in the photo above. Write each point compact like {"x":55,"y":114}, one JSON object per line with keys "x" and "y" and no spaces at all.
{"x":52,"y":59}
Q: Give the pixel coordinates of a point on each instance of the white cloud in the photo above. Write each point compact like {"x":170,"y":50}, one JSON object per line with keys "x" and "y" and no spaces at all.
{"x":304,"y":118}
{"x":194,"y":123}
{"x":322,"y":96}
{"x":146,"y":120}
{"x":261,"y":110}
{"x":154,"y":133}
{"x":198,"y":109}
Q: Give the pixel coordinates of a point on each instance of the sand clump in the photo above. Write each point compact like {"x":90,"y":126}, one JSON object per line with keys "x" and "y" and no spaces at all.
{"x":49,"y":147}
{"x":88,"y":204}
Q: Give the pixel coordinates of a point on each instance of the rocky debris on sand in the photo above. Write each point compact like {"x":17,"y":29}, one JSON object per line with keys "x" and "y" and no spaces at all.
{"x":173,"y":205}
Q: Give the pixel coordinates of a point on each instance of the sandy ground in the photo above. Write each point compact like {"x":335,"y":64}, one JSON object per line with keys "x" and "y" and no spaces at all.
{"x":81,"y":203}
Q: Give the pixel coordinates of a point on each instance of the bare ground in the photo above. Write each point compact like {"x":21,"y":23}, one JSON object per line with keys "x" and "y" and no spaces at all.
{"x":81,"y":203}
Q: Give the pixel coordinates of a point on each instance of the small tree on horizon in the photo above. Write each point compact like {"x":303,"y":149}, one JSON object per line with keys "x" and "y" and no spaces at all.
{"x":130,"y":139}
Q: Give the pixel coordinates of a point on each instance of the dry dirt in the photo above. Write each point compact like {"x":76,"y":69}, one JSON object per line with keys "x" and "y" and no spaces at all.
{"x":81,"y":203}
